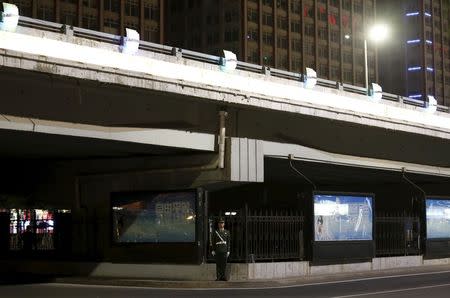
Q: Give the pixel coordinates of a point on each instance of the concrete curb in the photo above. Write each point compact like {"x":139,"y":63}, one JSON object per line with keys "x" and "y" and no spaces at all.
{"x":257,"y":284}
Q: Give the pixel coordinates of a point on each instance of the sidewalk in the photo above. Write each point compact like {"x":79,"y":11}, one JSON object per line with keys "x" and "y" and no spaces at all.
{"x":105,"y":281}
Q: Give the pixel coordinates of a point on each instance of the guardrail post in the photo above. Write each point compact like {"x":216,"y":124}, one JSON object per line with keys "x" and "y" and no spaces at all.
{"x":266,"y":70}
{"x":339,"y":86}
{"x":67,"y":30}
{"x":177,"y":52}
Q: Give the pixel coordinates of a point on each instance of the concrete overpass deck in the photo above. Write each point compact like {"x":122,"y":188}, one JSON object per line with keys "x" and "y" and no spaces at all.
{"x":60,"y":77}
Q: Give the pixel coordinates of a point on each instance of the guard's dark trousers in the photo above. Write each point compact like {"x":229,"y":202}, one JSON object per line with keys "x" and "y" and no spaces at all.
{"x":221,"y":265}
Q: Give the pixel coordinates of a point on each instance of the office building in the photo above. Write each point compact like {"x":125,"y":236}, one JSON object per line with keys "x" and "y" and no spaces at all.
{"x":327,"y":36}
{"x":111,"y":16}
{"x":416,"y":61}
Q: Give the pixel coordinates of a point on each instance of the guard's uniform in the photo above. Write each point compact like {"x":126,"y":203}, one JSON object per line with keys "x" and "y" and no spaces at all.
{"x":221,"y":245}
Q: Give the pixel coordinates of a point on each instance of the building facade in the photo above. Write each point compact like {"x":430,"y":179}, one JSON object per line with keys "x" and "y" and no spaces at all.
{"x":326,"y":35}
{"x":111,"y":16}
{"x":416,"y":61}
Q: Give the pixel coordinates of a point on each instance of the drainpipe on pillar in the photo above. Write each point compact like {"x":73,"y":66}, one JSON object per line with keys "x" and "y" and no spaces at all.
{"x":222,"y":116}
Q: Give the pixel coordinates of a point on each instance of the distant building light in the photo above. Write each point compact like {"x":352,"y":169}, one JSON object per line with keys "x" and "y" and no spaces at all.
{"x":413,"y":41}
{"x":430,"y":69}
{"x":427,"y":14}
{"x":414,"y":68}
{"x":63,"y":211}
{"x":428,"y":41}
{"x":415,"y":96}
{"x":410,"y":14}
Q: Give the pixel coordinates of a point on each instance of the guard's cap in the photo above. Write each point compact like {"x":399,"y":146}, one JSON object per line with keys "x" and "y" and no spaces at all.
{"x":221,"y":219}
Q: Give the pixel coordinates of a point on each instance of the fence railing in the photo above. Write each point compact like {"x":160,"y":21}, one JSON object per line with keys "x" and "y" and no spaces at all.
{"x":279,"y":235}
{"x":264,"y":235}
{"x":397,"y":235}
{"x":212,"y":59}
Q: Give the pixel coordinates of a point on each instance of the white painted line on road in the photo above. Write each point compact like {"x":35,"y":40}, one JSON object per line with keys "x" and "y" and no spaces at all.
{"x":392,"y":291}
{"x":260,"y":288}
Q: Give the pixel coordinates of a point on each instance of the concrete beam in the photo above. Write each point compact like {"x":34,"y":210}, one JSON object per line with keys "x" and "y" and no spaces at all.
{"x":298,"y":152}
{"x":159,"y":137}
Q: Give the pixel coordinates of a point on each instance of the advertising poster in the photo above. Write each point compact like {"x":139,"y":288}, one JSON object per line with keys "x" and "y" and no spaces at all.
{"x":154,"y":217}
{"x":438,"y":218}
{"x":342,"y":217}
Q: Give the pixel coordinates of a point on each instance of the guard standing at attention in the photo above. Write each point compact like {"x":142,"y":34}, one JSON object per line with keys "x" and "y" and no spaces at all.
{"x":221,"y":249}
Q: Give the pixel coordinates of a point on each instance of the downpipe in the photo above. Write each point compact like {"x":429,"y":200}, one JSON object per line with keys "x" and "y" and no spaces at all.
{"x":222,"y":129}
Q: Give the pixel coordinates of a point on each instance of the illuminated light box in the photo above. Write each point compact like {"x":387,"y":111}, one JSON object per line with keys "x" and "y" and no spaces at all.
{"x":229,"y":63}
{"x":342,"y":217}
{"x":153,"y":217}
{"x":9,"y":17}
{"x":431,"y":104}
{"x":130,"y":43}
{"x":376,"y":92}
{"x":438,"y":218}
{"x":311,"y":78}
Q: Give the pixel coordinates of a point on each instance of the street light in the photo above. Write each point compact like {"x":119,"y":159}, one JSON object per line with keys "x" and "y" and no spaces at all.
{"x":377,"y":33}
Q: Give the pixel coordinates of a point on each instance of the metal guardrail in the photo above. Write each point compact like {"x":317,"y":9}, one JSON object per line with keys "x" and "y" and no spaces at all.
{"x":202,"y":57}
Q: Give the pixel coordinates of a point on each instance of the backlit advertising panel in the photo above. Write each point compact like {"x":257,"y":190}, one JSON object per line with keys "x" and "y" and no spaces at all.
{"x":438,"y":218}
{"x":343,"y":217}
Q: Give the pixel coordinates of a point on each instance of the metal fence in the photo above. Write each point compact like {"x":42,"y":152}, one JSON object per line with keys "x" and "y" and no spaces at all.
{"x":264,"y":235}
{"x":397,"y":235}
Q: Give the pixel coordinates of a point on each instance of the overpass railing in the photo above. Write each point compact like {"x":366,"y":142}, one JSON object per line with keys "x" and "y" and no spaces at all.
{"x":212,"y":59}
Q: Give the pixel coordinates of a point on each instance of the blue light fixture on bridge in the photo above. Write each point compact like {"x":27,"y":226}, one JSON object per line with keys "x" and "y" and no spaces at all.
{"x":9,"y":17}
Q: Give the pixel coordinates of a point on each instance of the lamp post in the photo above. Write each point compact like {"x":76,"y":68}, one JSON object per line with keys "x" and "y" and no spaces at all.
{"x":377,"y":33}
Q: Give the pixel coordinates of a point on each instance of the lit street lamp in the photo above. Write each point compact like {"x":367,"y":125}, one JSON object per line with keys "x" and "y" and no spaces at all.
{"x":377,"y":33}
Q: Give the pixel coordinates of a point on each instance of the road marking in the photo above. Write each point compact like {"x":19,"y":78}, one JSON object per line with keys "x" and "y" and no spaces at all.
{"x":392,"y":291}
{"x":262,"y":282}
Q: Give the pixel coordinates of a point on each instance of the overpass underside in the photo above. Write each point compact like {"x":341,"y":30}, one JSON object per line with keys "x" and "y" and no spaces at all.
{"x":48,"y":96}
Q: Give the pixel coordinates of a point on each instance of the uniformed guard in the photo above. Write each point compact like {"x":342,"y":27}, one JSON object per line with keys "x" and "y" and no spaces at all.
{"x":221,"y":249}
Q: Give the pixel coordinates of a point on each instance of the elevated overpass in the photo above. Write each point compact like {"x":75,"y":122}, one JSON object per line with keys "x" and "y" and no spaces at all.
{"x":80,"y":76}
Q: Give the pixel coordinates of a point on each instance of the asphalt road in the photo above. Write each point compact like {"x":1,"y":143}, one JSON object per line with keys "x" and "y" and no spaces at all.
{"x":429,"y":284}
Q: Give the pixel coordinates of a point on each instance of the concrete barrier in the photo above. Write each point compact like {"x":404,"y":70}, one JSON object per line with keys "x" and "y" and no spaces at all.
{"x":340,"y":268}
{"x":396,"y":262}
{"x":431,"y":262}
